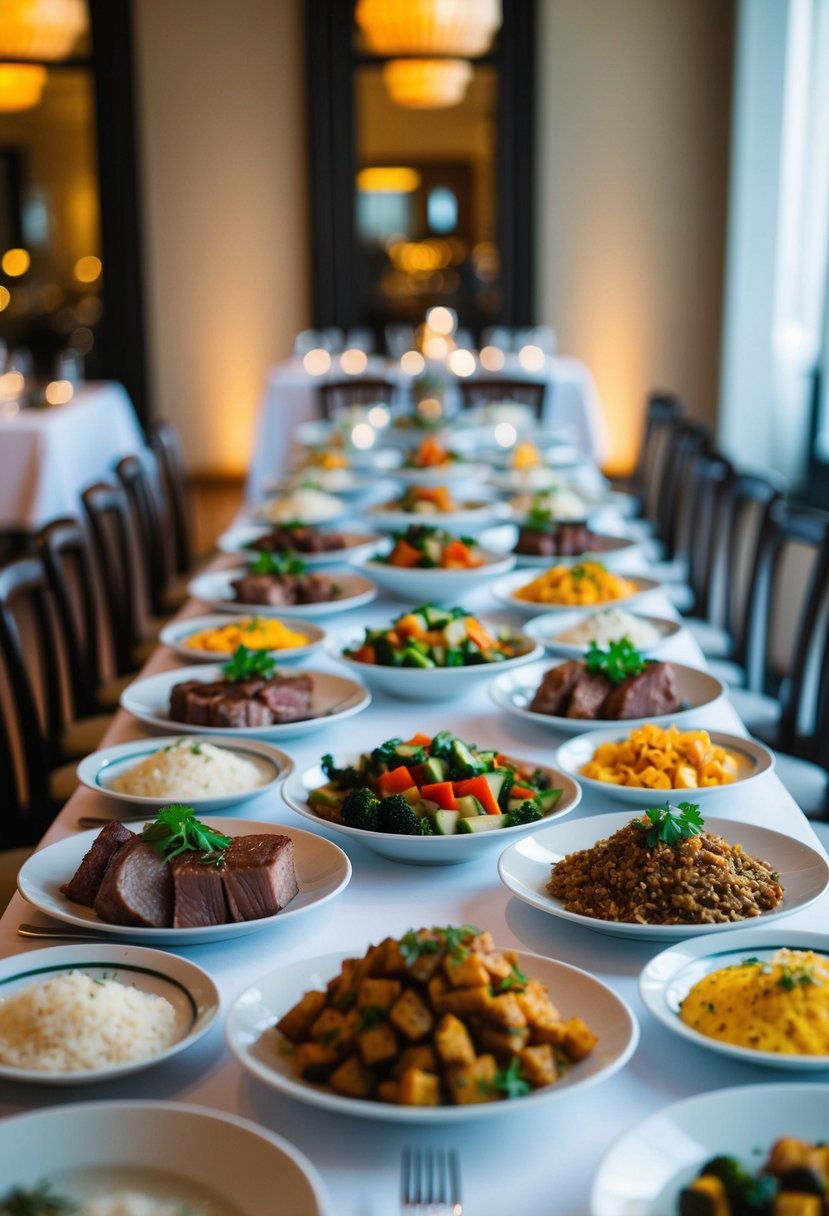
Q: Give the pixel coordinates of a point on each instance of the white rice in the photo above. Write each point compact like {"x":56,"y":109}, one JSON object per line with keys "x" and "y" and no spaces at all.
{"x":71,"y":1023}
{"x":190,"y":769}
{"x":609,"y":626}
{"x":309,"y":506}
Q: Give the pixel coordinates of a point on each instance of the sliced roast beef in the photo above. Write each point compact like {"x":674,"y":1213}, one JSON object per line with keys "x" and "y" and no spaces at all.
{"x":137,"y":888}
{"x":259,"y":876}
{"x":315,"y":589}
{"x":275,"y":590}
{"x":84,"y":884}
{"x":301,"y":539}
{"x":288,"y":698}
{"x":553,"y":693}
{"x":243,"y":703}
{"x":198,"y":893}
{"x":588,"y":695}
{"x":646,"y":695}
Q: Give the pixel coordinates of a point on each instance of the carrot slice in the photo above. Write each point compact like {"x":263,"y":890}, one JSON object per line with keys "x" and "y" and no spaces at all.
{"x":442,"y":793}
{"x":419,"y":740}
{"x":479,"y":788}
{"x":395,"y":781}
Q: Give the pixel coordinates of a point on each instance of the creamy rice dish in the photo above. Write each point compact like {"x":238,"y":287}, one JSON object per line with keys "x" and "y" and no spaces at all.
{"x":610,"y":626}
{"x":309,"y":505}
{"x":190,"y":769}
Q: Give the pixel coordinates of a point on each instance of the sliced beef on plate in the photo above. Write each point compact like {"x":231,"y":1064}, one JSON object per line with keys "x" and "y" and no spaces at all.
{"x":553,"y":693}
{"x":259,"y":876}
{"x":198,"y":893}
{"x":646,"y":695}
{"x":236,"y":709}
{"x":589,"y":695}
{"x":300,"y":539}
{"x":84,"y":884}
{"x":137,"y":889}
{"x":288,"y":698}
{"x":275,"y":590}
{"x":315,"y":589}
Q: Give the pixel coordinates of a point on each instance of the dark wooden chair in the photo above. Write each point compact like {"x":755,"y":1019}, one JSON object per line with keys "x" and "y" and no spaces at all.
{"x":531,"y":393}
{"x":337,"y":395}
{"x":154,"y":527}
{"x":662,"y":412}
{"x":711,"y":478}
{"x":685,"y":443}
{"x":165,"y":443}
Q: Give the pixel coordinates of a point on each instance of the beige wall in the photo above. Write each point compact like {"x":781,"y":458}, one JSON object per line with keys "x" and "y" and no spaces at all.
{"x":634,"y":112}
{"x":222,"y":124}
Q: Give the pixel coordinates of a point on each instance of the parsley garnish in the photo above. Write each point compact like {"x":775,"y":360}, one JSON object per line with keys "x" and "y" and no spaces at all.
{"x":177,"y":830}
{"x":247,"y":663}
{"x":39,"y":1201}
{"x":793,"y":977}
{"x":453,"y":938}
{"x":539,"y":520}
{"x":282,"y":563}
{"x":508,"y":1081}
{"x":620,"y":660}
{"x":515,"y":979}
{"x":670,"y":824}
{"x":412,"y":947}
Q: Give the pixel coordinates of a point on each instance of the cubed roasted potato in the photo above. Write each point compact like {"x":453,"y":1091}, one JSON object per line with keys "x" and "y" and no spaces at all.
{"x":297,"y":1022}
{"x":329,"y":1027}
{"x":377,"y":993}
{"x":417,"y":1088}
{"x":505,"y":1010}
{"x":579,"y":1040}
{"x":437,"y":987}
{"x":473,"y":1083}
{"x":377,"y":1044}
{"x":353,"y":1079}
{"x":465,"y":1001}
{"x":315,"y":1061}
{"x":502,"y":1041}
{"x":792,"y":1203}
{"x":453,"y":1042}
{"x":499,"y":963}
{"x":420,"y":1055}
{"x":539,"y":1010}
{"x":387,"y":1091}
{"x":465,"y":972}
{"x":538,"y":1064}
{"x":411,"y":1015}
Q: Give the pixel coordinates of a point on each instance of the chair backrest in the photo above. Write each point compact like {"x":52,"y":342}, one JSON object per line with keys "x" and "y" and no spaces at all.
{"x":663,"y":411}
{"x":139,"y":477}
{"x":74,"y":581}
{"x":686,"y":443}
{"x":32,"y":703}
{"x":804,"y":724}
{"x":338,"y":395}
{"x":711,"y":476}
{"x":531,"y":393}
{"x":742,"y":508}
{"x":165,"y":443}
{"x":117,"y":549}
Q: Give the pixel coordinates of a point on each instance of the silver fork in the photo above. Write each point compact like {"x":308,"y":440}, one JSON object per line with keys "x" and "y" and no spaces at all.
{"x":430,"y":1182}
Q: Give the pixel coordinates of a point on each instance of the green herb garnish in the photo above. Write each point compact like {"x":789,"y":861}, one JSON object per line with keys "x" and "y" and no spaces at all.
{"x":452,"y":938}
{"x":176,"y":830}
{"x":273,"y":563}
{"x":620,"y":660}
{"x":515,"y":979}
{"x":508,"y":1081}
{"x":795,"y":977}
{"x":670,"y":824}
{"x":39,"y":1201}
{"x":539,"y":520}
{"x":247,"y":663}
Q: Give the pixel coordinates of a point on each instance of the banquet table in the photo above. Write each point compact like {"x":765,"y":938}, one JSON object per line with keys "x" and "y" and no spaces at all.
{"x":572,"y":405}
{"x":545,"y":1157}
{"x":49,"y":456}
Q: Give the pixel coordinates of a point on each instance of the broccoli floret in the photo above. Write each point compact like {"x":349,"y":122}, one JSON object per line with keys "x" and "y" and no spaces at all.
{"x":343,"y":778}
{"x":398,"y":817}
{"x":361,"y":809}
{"x":426,"y":828}
{"x":527,"y":812}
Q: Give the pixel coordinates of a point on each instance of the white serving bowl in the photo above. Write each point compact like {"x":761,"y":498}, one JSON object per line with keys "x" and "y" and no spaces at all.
{"x":514,"y":692}
{"x":426,"y":683}
{"x":98,"y":771}
{"x":668,"y":978}
{"x":546,"y":628}
{"x":214,"y":588}
{"x":176,"y":633}
{"x":425,"y":850}
{"x":240,"y":541}
{"x":505,"y":589}
{"x":753,"y":761}
{"x":434,"y":585}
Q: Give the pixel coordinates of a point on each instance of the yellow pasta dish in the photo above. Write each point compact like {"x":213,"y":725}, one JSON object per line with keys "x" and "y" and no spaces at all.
{"x":654,"y":758}
{"x":255,"y":632}
{"x":779,"y":1005}
{"x":587,"y":583}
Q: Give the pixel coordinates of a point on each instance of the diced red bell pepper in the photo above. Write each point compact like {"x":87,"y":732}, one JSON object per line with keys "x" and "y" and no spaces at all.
{"x":442,"y":793}
{"x":395,"y":781}
{"x":479,"y":788}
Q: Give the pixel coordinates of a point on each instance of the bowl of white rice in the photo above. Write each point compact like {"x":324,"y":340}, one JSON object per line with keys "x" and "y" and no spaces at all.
{"x":571,"y":633}
{"x":208,"y":775}
{"x":93,"y":1012}
{"x":306,"y":504}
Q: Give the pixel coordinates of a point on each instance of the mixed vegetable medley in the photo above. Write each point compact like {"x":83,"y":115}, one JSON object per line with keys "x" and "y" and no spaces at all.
{"x":422,"y":547}
{"x":437,"y":637}
{"x":432,"y":787}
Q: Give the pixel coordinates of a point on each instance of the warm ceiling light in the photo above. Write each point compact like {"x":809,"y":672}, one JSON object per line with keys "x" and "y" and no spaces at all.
{"x":427,"y":84}
{"x":428,"y":27}
{"x":21,"y":86}
{"x":15,"y":262}
{"x":40,"y":29}
{"x":88,"y":268}
{"x":388,"y":179}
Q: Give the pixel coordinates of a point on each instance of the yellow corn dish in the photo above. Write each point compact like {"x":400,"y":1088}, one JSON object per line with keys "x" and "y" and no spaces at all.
{"x":255,"y":632}
{"x":654,"y":758}
{"x":781,"y":1005}
{"x":584,"y":584}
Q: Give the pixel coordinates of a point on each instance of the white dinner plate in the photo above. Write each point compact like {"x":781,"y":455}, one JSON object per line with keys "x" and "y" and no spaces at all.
{"x":253,"y":1039}
{"x":185,"y":1153}
{"x":435,"y":475}
{"x":525,"y":869}
{"x":333,"y":698}
{"x":753,"y":761}
{"x":98,"y":771}
{"x":547,"y":627}
{"x":667,"y":979}
{"x":426,"y":850}
{"x":214,"y":589}
{"x":470,"y":515}
{"x":435,"y":585}
{"x":514,"y":692}
{"x":323,"y":872}
{"x":504,"y":590}
{"x":644,"y":1171}
{"x":239,"y":541}
{"x":176,"y":633}
{"x":189,"y":990}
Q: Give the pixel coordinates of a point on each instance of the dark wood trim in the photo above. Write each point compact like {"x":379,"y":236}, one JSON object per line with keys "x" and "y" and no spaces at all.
{"x":122,"y":326}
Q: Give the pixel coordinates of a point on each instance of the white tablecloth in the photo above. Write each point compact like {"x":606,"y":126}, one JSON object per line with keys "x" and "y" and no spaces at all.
{"x":539,"y":1163}
{"x":572,"y":405}
{"x":48,"y":456}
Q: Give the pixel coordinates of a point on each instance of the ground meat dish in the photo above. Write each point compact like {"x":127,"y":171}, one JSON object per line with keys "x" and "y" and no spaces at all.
{"x":701,"y":880}
{"x":299,"y":538}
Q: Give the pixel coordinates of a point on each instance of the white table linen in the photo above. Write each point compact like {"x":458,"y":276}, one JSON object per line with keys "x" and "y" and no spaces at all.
{"x":49,"y":456}
{"x":539,"y":1163}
